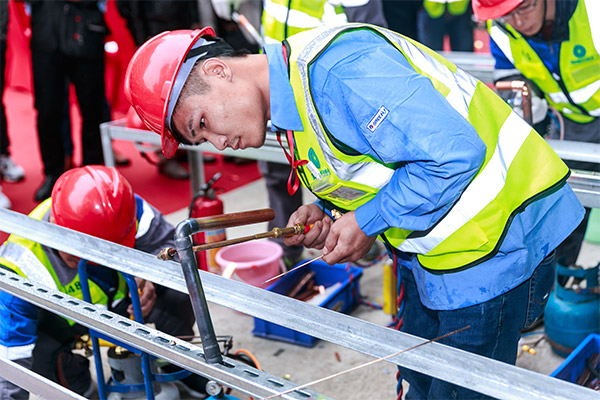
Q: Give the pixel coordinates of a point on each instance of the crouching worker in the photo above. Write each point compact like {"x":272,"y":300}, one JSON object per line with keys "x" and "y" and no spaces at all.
{"x":98,"y":201}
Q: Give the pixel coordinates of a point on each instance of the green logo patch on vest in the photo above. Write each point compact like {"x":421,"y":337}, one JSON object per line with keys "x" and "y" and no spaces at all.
{"x":579,"y":51}
{"x":312,"y":156}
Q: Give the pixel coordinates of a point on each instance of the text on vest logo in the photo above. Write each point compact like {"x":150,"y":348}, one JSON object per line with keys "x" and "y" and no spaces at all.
{"x":378,"y":118}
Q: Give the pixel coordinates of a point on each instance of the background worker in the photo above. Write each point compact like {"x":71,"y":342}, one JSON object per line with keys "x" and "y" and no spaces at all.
{"x":67,"y":42}
{"x":98,"y":201}
{"x":458,"y":186}
{"x":281,"y":19}
{"x":438,"y":18}
{"x":554,"y":45}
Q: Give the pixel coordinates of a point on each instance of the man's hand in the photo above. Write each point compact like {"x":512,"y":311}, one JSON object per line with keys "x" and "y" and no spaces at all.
{"x":307,"y":215}
{"x":346,"y":242}
{"x":224,"y":8}
{"x":147,"y":295}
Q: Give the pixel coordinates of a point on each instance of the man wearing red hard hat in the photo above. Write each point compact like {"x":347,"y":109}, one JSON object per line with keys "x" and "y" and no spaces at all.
{"x":410,"y":148}
{"x":98,"y":201}
{"x":555,"y":46}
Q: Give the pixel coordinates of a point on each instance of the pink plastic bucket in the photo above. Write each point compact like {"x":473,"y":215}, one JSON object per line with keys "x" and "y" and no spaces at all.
{"x":255,"y":262}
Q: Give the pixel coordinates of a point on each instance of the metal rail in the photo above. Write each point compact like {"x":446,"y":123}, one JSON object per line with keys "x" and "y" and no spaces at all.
{"x":229,"y":372}
{"x":478,"y":373}
{"x":35,"y":383}
{"x":586,"y":188}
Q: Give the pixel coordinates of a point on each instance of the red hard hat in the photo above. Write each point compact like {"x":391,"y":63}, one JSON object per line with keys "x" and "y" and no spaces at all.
{"x":153,"y":81}
{"x":96,"y":200}
{"x":133,"y":121}
{"x":492,"y":9}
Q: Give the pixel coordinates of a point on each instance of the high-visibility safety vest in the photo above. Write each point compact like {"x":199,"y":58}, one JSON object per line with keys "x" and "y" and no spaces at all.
{"x":436,"y":8}
{"x":519,"y":166}
{"x":284,"y":18}
{"x":576,"y":91}
{"x":28,"y":259}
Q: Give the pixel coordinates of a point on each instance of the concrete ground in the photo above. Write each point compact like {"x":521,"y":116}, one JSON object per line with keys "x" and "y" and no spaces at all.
{"x":303,"y":364}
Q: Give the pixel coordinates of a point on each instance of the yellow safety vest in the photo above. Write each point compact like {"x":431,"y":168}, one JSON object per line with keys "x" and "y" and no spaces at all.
{"x":436,"y":8}
{"x":28,"y":259}
{"x":519,"y":165}
{"x":284,"y":18}
{"x":576,"y":92}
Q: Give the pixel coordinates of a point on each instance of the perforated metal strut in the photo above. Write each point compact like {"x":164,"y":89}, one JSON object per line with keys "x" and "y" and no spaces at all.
{"x":229,"y":372}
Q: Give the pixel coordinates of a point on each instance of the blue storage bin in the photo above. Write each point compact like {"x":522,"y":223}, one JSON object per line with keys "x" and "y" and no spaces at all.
{"x":574,"y":365}
{"x":343,"y":299}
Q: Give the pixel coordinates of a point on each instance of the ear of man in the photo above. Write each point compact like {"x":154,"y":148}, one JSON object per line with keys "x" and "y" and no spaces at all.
{"x":215,"y":67}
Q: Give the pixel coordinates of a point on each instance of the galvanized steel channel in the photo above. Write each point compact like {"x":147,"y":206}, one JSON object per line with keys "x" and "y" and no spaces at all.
{"x":478,"y":373}
{"x":230,"y":372}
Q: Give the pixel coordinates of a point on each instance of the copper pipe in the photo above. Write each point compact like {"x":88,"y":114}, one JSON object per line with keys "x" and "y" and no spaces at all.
{"x":519,"y":86}
{"x":235,"y":219}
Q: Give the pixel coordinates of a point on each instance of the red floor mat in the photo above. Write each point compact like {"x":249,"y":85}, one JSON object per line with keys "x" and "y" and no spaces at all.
{"x":168,"y":195}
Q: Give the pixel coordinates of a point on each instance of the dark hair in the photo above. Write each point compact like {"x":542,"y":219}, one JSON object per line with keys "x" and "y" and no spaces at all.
{"x":195,"y":84}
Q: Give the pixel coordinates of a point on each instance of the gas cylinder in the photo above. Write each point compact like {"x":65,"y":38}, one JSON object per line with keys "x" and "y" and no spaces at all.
{"x":204,"y":204}
{"x":126,"y":374}
{"x":573,"y":309}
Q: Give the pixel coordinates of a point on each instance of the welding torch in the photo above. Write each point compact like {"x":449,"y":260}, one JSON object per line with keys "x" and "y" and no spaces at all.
{"x":169,"y":253}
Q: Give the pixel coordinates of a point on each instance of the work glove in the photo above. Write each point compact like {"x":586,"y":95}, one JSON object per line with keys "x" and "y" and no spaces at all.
{"x":224,"y":8}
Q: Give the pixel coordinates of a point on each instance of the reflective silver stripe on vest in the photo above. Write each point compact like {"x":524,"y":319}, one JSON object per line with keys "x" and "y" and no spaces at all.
{"x":28,"y":263}
{"x":461,"y":86}
{"x":484,"y":188}
{"x":367,"y":173}
{"x":145,"y":221}
{"x":579,"y":96}
{"x":16,"y":352}
{"x":502,"y":41}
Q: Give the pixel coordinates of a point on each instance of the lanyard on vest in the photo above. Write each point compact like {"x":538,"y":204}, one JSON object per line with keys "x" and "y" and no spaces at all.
{"x":291,"y":157}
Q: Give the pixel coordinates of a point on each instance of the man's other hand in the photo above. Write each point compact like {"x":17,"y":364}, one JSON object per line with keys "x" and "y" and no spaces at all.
{"x":147,"y":295}
{"x":346,"y":242}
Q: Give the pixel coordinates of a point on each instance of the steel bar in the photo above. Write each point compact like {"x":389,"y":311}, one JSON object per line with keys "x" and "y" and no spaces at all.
{"x":586,"y":187}
{"x":480,"y":374}
{"x":480,"y":65}
{"x":189,"y":266}
{"x":35,"y":383}
{"x":576,"y":151}
{"x":229,"y":372}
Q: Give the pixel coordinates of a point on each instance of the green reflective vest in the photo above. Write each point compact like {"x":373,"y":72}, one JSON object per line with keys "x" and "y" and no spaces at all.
{"x":519,"y":165}
{"x":436,"y":8}
{"x":28,"y":259}
{"x":284,"y":18}
{"x":575,"y":93}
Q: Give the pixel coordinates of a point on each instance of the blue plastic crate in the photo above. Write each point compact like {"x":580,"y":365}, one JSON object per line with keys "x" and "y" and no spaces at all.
{"x":574,"y":365}
{"x":343,"y":299}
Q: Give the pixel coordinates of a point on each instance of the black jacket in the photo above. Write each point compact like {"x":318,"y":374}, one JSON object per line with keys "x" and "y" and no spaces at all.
{"x":146,"y":18}
{"x":75,"y":28}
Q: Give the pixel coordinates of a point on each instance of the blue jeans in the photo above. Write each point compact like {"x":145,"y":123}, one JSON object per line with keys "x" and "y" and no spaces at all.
{"x":495,"y":330}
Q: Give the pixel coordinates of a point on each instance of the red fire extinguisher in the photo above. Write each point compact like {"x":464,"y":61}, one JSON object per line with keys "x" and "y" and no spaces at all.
{"x":206,"y":203}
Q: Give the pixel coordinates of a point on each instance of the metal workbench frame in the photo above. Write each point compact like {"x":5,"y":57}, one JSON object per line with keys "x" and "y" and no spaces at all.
{"x":478,"y":373}
{"x":585,"y":186}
